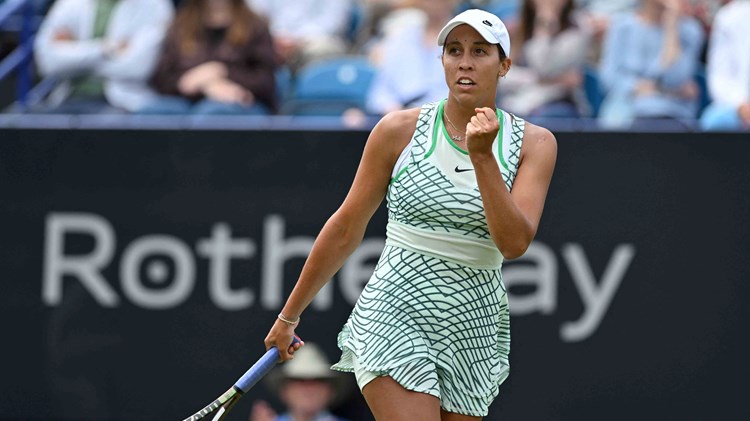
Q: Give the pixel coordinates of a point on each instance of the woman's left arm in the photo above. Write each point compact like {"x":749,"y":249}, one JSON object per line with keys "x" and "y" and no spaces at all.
{"x":512,"y":217}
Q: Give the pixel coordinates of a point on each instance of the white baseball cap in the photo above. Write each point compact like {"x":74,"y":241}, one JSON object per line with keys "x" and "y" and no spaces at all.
{"x":489,"y":26}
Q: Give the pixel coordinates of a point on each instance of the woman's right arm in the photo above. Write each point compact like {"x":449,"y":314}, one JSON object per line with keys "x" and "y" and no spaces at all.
{"x":345,"y":229}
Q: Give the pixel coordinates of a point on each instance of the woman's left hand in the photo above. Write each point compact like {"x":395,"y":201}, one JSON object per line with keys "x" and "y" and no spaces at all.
{"x":481,"y":131}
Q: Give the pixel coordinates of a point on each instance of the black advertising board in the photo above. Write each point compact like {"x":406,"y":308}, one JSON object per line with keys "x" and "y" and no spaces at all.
{"x":141,"y":271}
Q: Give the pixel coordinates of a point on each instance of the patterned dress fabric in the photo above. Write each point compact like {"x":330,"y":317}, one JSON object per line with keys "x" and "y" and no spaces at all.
{"x":435,"y":322}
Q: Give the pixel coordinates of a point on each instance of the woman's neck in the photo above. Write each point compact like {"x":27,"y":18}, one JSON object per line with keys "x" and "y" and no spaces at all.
{"x":460,"y":114}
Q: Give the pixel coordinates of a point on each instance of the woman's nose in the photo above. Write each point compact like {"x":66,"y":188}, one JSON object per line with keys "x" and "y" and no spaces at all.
{"x":465,"y":63}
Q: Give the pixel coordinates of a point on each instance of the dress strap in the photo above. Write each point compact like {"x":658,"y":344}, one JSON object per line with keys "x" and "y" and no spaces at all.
{"x":513,"y":154}
{"x":422,"y":139}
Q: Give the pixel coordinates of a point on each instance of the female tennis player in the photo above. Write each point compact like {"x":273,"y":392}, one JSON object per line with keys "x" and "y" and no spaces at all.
{"x":465,"y":183}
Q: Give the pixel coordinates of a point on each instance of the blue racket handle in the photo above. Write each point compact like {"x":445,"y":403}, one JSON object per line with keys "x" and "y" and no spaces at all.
{"x":260,"y":368}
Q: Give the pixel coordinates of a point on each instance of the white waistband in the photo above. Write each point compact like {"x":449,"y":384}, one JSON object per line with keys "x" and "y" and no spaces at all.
{"x":477,"y":253}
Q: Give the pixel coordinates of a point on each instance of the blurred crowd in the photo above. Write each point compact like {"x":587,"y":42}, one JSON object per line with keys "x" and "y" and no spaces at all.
{"x":678,"y":63}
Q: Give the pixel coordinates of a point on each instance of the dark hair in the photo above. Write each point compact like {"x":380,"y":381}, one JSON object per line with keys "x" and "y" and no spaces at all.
{"x":525,"y":28}
{"x":188,"y":25}
{"x":500,"y":51}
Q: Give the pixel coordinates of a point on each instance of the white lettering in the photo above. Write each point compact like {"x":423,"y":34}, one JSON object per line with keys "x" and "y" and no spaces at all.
{"x":276,"y":251}
{"x":183,"y":279}
{"x":220,"y":249}
{"x":595,"y":302}
{"x":150,"y":281}
{"x":86,"y":268}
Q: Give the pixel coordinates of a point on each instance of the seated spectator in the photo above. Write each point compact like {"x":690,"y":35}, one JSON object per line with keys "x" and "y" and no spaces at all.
{"x":103,"y":53}
{"x":596,"y":16}
{"x":728,"y":69}
{"x":704,"y":11}
{"x":549,"y":54}
{"x":649,"y":61}
{"x":306,"y":385}
{"x":306,"y":30}
{"x":409,"y":72}
{"x":402,"y":14}
{"x":218,"y":59}
{"x":373,"y":23}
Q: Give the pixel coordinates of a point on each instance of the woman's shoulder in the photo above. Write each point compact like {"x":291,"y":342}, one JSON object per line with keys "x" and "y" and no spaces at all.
{"x":400,"y":122}
{"x":394,"y":131}
{"x":538,"y":140}
{"x":533,"y":131}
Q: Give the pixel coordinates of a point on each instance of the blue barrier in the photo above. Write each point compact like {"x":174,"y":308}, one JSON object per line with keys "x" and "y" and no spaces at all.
{"x":20,"y":59}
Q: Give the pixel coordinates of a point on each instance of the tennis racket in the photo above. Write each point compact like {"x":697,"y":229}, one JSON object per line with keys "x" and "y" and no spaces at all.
{"x":221,"y":406}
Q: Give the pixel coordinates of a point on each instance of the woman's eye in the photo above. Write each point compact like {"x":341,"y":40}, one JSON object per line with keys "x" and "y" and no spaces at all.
{"x":479,"y":51}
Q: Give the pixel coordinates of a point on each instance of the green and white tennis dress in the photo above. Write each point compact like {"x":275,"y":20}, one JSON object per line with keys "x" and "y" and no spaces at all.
{"x":434,"y":315}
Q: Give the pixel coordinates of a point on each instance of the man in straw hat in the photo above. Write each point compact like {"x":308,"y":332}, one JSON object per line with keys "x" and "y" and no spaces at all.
{"x":306,"y":385}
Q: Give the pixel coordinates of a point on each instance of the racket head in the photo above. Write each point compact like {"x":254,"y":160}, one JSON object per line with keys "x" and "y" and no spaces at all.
{"x":222,"y":412}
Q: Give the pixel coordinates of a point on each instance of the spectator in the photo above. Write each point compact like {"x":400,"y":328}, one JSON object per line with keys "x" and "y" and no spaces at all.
{"x":306,"y":385}
{"x":703,"y":10}
{"x":547,"y":73}
{"x":306,"y":30}
{"x":218,"y":59}
{"x":402,"y":14}
{"x":373,"y":23}
{"x":410,"y":72}
{"x":648,"y":65}
{"x":596,"y":16}
{"x":728,"y":69}
{"x":103,"y":53}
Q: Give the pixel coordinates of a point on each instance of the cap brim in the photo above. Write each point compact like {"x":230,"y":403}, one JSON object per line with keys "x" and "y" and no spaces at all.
{"x":487,"y":35}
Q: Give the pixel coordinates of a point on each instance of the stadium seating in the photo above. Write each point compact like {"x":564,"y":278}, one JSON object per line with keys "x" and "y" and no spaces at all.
{"x":330,"y":87}
{"x":593,"y":90}
{"x":284,"y":84}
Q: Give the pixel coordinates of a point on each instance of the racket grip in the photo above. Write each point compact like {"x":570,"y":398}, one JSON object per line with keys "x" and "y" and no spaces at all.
{"x":260,"y":368}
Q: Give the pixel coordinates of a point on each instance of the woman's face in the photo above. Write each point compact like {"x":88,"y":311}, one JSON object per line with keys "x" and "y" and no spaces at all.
{"x":472,"y":66}
{"x":217,"y":12}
